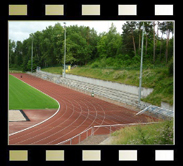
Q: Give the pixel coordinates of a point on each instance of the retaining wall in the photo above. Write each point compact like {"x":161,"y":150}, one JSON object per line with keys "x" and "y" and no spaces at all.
{"x":108,"y":84}
{"x":121,"y":93}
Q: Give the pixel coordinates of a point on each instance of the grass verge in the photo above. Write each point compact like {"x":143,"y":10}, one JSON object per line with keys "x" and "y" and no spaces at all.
{"x":55,"y":70}
{"x":153,"y":134}
{"x":23,"y":96}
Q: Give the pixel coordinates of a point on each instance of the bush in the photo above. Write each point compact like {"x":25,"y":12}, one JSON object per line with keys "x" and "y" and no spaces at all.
{"x":110,"y":61}
{"x":136,"y":59}
{"x":102,"y":62}
{"x":154,"y":134}
{"x":166,"y":133}
{"x":96,"y":64}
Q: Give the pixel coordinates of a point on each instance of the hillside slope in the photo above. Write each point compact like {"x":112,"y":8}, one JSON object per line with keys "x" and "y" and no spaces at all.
{"x":157,"y":78}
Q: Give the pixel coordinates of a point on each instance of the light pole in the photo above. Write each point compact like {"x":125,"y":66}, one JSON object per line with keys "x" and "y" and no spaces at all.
{"x":32,"y":55}
{"x":140,"y":78}
{"x":64,"y":47}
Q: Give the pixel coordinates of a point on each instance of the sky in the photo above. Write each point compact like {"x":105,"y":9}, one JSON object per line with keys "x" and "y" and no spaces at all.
{"x":20,"y":30}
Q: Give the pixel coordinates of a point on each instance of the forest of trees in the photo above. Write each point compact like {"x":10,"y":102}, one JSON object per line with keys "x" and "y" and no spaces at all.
{"x":86,"y":47}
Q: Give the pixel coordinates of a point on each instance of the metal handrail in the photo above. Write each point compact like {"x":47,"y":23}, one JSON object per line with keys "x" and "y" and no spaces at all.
{"x":128,"y":124}
{"x":92,"y":132}
{"x":70,"y":139}
{"x":150,"y":107}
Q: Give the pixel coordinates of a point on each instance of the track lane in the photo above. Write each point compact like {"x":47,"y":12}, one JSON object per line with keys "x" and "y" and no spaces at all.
{"x":78,"y":112}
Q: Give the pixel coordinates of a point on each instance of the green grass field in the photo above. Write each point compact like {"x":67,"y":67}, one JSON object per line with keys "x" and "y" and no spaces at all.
{"x":23,"y":96}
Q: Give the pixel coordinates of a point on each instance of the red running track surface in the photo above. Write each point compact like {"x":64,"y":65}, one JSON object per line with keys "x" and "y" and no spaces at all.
{"x":77,"y":113}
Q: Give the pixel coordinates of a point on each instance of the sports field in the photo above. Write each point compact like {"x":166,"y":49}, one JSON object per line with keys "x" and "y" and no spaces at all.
{"x":23,"y":96}
{"x":77,"y":118}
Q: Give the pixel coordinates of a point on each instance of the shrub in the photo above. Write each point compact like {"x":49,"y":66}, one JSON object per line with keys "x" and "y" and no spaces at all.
{"x":155,"y":134}
{"x":165,"y":133}
{"x":170,"y":67}
{"x":95,"y":64}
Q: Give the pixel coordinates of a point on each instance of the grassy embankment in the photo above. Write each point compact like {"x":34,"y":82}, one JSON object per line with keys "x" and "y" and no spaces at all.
{"x":23,"y":96}
{"x":55,"y":70}
{"x":157,"y":78}
{"x":15,"y":70}
{"x":154,"y":134}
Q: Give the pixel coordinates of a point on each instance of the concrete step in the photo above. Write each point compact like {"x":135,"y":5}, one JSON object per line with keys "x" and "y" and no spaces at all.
{"x":110,"y":93}
{"x":102,"y":91}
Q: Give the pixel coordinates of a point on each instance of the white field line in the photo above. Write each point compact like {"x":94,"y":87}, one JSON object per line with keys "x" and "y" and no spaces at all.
{"x":41,"y":121}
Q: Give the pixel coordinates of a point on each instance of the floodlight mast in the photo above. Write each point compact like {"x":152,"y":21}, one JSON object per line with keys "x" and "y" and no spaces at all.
{"x":140,"y":78}
{"x":64,"y":47}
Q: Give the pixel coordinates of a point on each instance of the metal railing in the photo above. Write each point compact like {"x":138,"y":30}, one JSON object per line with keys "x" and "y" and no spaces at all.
{"x":158,"y":111}
{"x":70,"y":140}
{"x":97,"y":130}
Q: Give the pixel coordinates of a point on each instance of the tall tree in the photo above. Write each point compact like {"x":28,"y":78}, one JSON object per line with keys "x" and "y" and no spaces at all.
{"x":168,"y":28}
{"x":11,"y":51}
{"x":154,"y":41}
{"x":148,"y":29}
{"x":162,"y":29}
{"x":139,"y":24}
{"x":132,"y":28}
{"x":157,"y":33}
{"x":18,"y":53}
{"x":128,"y":31}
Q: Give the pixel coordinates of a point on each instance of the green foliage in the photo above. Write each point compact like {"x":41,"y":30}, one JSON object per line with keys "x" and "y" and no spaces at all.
{"x":85,"y":46}
{"x":34,"y":66}
{"x":170,"y":67}
{"x":48,"y":47}
{"x":153,"y":134}
{"x":96,"y":64}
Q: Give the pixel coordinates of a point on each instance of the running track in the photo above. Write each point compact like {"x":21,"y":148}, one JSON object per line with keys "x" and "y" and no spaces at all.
{"x":77,"y":113}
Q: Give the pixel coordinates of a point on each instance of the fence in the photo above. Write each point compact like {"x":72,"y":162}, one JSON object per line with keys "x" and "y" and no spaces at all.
{"x":77,"y":138}
{"x":97,"y":130}
{"x":158,"y":111}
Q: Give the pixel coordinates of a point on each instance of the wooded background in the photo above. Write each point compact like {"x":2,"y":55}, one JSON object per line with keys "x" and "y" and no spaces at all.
{"x":86,"y":47}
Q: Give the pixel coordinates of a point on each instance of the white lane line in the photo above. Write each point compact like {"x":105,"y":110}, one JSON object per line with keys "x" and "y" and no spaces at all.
{"x":87,"y":117}
{"x":41,"y":121}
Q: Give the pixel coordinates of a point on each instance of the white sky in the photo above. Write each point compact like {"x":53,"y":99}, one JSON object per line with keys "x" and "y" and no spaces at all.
{"x":20,"y":30}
